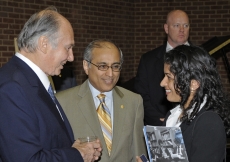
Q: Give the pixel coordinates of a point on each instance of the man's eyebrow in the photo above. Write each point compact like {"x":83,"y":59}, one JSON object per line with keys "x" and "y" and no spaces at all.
{"x":101,"y":63}
{"x":116,"y":63}
{"x":107,"y":63}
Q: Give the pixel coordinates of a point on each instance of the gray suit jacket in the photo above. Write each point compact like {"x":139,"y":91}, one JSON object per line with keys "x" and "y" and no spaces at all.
{"x":128,"y":139}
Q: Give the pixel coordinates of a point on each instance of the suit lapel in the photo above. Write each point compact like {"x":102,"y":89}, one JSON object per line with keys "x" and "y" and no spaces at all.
{"x":119,"y":112}
{"x":44,"y":95}
{"x":38,"y":88}
{"x":158,"y":64}
{"x":162,"y":52}
{"x":66,"y":126}
{"x":89,"y":111}
{"x":183,"y":126}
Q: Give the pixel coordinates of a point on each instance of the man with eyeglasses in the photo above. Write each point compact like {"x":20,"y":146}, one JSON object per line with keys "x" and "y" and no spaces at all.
{"x":121,"y":133}
{"x":150,"y":70}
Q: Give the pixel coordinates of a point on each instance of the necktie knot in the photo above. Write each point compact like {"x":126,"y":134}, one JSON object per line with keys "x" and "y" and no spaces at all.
{"x":101,"y":97}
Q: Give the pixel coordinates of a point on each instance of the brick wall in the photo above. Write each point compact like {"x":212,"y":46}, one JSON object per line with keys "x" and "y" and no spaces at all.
{"x":90,"y":19}
{"x":208,"y":18}
{"x":135,"y":25}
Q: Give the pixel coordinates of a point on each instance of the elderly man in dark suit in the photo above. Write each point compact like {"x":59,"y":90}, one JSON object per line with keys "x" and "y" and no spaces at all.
{"x":33,"y":126}
{"x":151,"y":69}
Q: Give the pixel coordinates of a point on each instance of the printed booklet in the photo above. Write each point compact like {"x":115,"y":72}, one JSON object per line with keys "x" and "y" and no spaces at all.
{"x":165,"y":144}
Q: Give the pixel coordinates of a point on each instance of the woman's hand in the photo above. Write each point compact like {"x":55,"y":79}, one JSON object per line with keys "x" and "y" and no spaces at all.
{"x":138,"y":159}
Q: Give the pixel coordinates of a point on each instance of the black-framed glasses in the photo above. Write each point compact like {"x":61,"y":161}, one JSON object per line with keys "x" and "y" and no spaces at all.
{"x":104,"y":67}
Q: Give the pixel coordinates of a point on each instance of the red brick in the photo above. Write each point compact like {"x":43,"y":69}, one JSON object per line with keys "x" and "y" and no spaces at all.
{"x":137,"y":26}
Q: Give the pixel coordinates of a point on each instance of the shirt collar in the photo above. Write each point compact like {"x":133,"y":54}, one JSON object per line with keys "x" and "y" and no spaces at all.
{"x":41,"y":75}
{"x":175,"y":109}
{"x":169,"y":47}
{"x":95,"y":92}
{"x":173,"y":119}
{"x":201,"y":105}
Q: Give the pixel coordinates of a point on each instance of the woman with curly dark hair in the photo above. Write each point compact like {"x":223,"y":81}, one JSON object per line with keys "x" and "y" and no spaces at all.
{"x":191,"y":78}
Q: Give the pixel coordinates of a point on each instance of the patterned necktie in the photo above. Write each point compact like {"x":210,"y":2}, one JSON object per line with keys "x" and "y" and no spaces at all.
{"x":105,"y":120}
{"x":51,"y":93}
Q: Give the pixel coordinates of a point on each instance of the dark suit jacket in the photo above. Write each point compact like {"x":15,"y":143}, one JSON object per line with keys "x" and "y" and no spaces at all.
{"x":147,"y":83}
{"x":65,"y":80}
{"x":31,"y":128}
{"x":204,"y":137}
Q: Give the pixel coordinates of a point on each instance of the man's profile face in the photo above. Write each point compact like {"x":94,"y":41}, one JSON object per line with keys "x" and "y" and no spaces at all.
{"x":103,"y":81}
{"x":177,"y":28}
{"x":59,"y":55}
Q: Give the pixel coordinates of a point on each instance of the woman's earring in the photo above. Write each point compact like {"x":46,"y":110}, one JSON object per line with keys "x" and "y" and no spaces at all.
{"x":192,"y":90}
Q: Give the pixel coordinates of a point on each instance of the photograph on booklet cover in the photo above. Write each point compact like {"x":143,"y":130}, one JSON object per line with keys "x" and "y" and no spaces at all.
{"x":165,"y":144}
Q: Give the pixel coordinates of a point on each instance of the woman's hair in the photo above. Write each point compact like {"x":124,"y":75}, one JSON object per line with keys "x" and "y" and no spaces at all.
{"x":44,"y":23}
{"x":192,"y":62}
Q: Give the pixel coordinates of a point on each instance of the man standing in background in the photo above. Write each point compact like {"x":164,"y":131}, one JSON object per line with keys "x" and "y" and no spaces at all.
{"x":151,"y":69}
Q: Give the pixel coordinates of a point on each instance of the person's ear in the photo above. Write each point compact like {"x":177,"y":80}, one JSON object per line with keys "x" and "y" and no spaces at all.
{"x":166,"y":27}
{"x":86,"y":67}
{"x":194,"y":85}
{"x":43,"y":44}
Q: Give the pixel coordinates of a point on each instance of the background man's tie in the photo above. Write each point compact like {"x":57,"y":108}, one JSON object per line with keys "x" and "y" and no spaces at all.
{"x":51,"y":93}
{"x":105,"y":120}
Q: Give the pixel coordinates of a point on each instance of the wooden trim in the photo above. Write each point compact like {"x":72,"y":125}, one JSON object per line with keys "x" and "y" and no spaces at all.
{"x":219,"y":47}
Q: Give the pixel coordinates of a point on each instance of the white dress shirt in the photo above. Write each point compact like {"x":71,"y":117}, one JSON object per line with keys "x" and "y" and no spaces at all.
{"x":41,"y":75}
{"x":169,"y":47}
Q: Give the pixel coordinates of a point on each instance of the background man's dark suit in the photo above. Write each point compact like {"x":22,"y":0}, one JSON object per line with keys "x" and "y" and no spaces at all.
{"x":147,"y":84}
{"x":29,"y":115}
{"x":151,"y":69}
{"x":65,"y":80}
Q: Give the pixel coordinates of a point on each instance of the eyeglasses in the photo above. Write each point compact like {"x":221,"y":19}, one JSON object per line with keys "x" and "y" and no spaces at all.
{"x":103,"y":67}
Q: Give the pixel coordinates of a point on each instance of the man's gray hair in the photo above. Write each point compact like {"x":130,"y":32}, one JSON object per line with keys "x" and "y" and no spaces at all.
{"x":99,"y":44}
{"x":43,"y":23}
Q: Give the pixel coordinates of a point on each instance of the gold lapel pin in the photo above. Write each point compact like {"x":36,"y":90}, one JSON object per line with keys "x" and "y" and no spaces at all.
{"x":122,"y":106}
